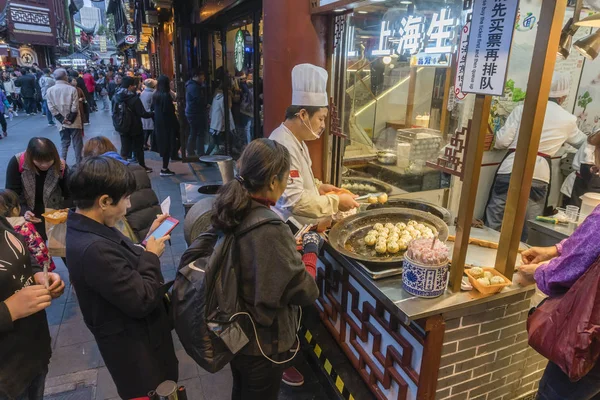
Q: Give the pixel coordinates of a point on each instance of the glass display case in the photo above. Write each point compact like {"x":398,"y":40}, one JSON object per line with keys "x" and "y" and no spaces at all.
{"x":391,"y":76}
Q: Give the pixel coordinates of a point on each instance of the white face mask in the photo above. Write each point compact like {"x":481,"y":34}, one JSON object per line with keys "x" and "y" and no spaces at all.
{"x":309,"y":126}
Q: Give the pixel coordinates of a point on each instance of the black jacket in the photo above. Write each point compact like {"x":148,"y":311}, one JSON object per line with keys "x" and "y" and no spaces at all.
{"x":120,"y":290}
{"x":24,"y":344}
{"x":166,"y":124}
{"x":27,"y":83}
{"x":196,"y":99}
{"x":273,"y":283}
{"x":137,"y":108}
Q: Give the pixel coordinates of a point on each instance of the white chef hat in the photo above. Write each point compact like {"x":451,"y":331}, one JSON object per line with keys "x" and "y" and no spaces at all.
{"x":561,"y":85}
{"x":309,"y":86}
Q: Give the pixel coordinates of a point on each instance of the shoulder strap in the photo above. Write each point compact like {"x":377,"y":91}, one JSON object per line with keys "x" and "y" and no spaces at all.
{"x":257,"y":217}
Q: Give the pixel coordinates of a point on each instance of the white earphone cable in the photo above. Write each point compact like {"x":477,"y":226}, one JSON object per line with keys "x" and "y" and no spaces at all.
{"x":258,"y":341}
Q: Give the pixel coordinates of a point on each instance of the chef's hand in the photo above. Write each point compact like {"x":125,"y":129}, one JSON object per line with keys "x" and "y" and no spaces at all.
{"x":347,"y":202}
{"x":536,"y":255}
{"x":159,"y":220}
{"x":28,"y":301}
{"x":326,"y":188}
{"x":157,"y":246}
{"x":56,"y":286}
{"x":30,"y":216}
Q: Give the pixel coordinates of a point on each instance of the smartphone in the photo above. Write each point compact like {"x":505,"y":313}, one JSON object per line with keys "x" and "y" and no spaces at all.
{"x":163,"y":229}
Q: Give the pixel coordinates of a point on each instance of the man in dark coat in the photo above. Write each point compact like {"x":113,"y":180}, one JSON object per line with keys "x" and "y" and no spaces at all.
{"x":196,"y":112}
{"x":133,"y":141}
{"x":119,"y":284}
{"x":27,"y":83}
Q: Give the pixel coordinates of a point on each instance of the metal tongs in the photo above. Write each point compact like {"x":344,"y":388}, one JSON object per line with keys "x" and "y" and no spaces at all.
{"x":366,"y":196}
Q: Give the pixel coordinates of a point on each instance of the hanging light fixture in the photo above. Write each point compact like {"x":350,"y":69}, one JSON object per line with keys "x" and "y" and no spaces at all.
{"x":568,"y":31}
{"x":593,"y":21}
{"x":589,"y":46}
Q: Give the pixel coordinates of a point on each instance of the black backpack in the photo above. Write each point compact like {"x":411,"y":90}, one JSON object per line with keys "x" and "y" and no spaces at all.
{"x":206,"y":296}
{"x":122,"y":117}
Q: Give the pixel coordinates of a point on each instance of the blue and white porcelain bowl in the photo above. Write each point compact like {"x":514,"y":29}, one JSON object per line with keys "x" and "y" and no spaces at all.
{"x":424,"y":280}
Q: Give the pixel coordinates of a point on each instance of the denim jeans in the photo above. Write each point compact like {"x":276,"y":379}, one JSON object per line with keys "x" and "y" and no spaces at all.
{"x":255,"y":377}
{"x":494,"y":212}
{"x":68,"y":135}
{"x":555,"y":385}
{"x":105,"y":102}
{"x":46,"y":112}
{"x":35,"y":390}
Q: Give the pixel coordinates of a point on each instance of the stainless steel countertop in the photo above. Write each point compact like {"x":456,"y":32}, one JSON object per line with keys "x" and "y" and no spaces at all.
{"x":411,"y":308}
{"x":558,"y":231}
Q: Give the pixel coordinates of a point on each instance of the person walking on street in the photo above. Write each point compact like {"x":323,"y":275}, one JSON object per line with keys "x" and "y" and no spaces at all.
{"x":4,"y":108}
{"x":129,"y":107}
{"x":90,"y":85}
{"x":148,"y":123}
{"x":63,"y":102}
{"x":82,"y":103}
{"x":102,"y":91}
{"x":81,"y":85}
{"x":196,"y":112}
{"x":166,"y":125}
{"x":113,"y":85}
{"x":9,"y":88}
{"x":46,"y":81}
{"x":27,"y":84}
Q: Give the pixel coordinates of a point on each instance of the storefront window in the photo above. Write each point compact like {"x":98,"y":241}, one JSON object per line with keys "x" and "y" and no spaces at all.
{"x":398,"y":59}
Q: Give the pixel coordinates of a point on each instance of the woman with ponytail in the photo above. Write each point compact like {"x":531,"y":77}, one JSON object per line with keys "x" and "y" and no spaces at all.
{"x":275,"y":281}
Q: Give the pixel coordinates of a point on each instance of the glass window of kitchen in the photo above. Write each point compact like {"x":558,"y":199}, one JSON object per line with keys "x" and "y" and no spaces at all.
{"x":398,"y":61}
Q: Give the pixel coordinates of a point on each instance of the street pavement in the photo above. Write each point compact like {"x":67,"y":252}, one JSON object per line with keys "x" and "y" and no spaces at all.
{"x":77,"y":370}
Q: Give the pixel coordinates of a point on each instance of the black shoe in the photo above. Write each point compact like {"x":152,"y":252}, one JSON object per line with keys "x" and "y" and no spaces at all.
{"x":166,"y":172}
{"x":148,"y":170}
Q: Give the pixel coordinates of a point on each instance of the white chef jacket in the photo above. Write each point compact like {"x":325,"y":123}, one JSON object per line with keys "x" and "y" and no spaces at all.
{"x":559,"y":127}
{"x":302,"y":198}
{"x":585,"y":155}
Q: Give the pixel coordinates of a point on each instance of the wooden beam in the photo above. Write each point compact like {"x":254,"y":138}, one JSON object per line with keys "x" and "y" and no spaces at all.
{"x":534,"y":110}
{"x":468,"y":194}
{"x":410,"y":100}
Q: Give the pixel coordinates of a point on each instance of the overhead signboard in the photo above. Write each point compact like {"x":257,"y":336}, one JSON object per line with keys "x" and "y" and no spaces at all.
{"x":488,"y":49}
{"x":130,"y":39}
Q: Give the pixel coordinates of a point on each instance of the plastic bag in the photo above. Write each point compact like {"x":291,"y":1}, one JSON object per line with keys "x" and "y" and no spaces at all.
{"x":57,"y":239}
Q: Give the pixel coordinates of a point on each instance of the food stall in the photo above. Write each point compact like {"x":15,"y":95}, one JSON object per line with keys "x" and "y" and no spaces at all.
{"x":404,"y":122}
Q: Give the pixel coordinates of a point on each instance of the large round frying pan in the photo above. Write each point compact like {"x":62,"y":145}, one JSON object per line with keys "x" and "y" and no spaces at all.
{"x":439,"y":212}
{"x":380,"y":186}
{"x":347,"y":236}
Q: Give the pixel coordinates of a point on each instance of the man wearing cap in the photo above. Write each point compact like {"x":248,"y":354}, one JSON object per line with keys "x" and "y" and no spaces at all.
{"x":305,"y":197}
{"x":559,"y":127}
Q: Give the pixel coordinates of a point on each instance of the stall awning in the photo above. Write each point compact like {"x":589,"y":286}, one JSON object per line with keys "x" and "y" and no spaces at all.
{"x":5,"y":49}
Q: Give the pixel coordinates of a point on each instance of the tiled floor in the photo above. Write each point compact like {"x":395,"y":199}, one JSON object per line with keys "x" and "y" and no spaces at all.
{"x":77,"y":370}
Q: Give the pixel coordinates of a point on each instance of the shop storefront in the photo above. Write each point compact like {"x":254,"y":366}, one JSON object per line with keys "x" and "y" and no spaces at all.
{"x":226,"y":43}
{"x":400,"y":124}
{"x":415,"y":104}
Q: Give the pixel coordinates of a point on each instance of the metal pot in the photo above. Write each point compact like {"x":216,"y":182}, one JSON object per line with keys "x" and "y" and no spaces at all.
{"x":347,"y":236}
{"x":387,"y":157}
{"x":438,"y":211}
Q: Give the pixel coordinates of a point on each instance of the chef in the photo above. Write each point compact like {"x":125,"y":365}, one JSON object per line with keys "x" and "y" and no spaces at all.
{"x":305,"y":197}
{"x":559,"y":127}
{"x":583,"y":179}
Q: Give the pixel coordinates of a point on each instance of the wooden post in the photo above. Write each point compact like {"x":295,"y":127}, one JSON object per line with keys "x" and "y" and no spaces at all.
{"x":468,"y":194}
{"x":534,"y":110}
{"x":410,"y":100}
{"x":432,"y":357}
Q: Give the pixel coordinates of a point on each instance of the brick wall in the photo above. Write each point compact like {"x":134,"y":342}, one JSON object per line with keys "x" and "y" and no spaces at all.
{"x":485,"y":354}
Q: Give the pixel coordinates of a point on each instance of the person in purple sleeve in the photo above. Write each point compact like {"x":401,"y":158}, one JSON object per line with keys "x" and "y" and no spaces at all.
{"x":555,"y":269}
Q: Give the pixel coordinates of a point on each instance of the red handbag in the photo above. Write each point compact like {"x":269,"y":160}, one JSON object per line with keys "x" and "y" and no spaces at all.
{"x":566,"y":329}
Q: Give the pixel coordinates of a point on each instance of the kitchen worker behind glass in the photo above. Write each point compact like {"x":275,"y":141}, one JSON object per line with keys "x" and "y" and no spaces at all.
{"x":559,"y":127}
{"x":305,"y":121}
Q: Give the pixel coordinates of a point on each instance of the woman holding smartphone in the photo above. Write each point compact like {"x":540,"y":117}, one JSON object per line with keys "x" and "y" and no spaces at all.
{"x":119,"y":284}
